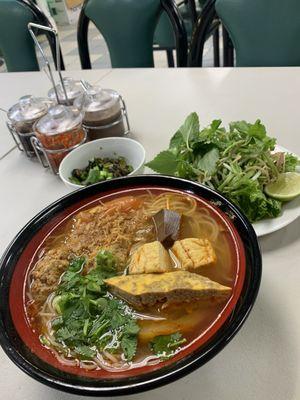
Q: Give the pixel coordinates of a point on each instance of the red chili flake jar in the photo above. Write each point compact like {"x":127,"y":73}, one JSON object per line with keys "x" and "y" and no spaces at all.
{"x":58,"y":133}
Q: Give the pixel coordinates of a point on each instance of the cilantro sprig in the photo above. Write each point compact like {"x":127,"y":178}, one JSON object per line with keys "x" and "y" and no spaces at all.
{"x":88,"y":319}
{"x":165,"y":346}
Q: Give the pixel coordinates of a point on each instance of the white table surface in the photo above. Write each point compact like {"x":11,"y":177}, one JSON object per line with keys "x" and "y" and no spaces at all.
{"x":263,"y":360}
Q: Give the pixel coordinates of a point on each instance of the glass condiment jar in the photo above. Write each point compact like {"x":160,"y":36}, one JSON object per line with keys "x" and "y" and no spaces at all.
{"x":57,"y":133}
{"x":73,"y":89}
{"x":21,"y":118}
{"x":104,"y":112}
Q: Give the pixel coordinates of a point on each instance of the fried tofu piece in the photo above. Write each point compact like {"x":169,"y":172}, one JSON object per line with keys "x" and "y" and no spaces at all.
{"x":150,"y":258}
{"x":194,"y":254}
{"x":172,"y":287}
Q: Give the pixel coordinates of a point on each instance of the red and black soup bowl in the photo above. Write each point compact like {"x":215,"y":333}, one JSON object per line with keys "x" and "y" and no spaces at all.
{"x":21,"y":343}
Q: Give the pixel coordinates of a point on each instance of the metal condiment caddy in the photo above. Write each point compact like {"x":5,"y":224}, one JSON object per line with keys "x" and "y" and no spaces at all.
{"x":49,"y":128}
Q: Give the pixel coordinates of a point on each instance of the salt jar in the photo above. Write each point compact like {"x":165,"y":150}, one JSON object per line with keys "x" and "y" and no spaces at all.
{"x":104,"y":112}
{"x":72,"y":88}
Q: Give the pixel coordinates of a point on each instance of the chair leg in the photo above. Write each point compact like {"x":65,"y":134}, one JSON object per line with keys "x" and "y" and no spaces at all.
{"x":227,"y":49}
{"x":230,"y":54}
{"x":225,"y":46}
{"x":216,"y":45}
{"x":170,"y":58}
{"x":82,"y":40}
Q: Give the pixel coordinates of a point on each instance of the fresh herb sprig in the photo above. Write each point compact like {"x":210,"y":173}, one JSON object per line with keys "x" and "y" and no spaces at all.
{"x":90,"y":320}
{"x":237,"y":162}
{"x":165,"y":346}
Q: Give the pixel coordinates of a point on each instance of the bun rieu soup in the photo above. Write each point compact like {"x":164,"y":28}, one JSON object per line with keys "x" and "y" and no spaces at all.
{"x":124,"y":284}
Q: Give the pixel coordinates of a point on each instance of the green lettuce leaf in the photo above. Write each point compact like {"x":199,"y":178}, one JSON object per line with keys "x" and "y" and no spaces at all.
{"x":164,"y":163}
{"x":208,"y":162}
{"x":190,"y":128}
{"x":176,"y":143}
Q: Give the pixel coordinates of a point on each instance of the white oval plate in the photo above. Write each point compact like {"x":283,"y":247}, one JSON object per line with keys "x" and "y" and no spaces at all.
{"x":290,"y":212}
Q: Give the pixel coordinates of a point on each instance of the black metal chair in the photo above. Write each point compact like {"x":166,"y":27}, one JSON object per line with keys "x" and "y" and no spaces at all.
{"x":214,"y":32}
{"x":16,"y":44}
{"x":128,"y":29}
{"x":190,"y":11}
{"x":164,"y":39}
{"x":207,"y":23}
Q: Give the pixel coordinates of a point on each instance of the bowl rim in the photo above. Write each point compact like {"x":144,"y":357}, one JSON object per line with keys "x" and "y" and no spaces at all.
{"x":78,"y":149}
{"x":162,"y":376}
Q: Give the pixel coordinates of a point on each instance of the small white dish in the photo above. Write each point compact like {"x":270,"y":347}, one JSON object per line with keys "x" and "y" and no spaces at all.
{"x":290,"y":212}
{"x":113,"y":147}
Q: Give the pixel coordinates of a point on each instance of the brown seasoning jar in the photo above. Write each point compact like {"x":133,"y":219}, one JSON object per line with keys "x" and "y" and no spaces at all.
{"x":103,"y":114}
{"x":22,"y":117}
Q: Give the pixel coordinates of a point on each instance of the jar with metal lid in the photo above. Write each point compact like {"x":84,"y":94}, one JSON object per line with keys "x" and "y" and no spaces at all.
{"x":57,"y":133}
{"x":21,"y":118}
{"x":105,"y":113}
{"x":70,"y":87}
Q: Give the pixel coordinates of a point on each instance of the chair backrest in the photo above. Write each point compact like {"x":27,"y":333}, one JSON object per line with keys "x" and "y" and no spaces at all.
{"x":164,"y":33}
{"x":128,"y":28}
{"x":263,"y":32}
{"x":202,"y":3}
{"x":15,"y":41}
{"x":16,"y":44}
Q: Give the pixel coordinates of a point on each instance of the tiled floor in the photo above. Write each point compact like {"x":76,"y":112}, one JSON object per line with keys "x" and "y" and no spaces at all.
{"x":98,"y":50}
{"x":97,"y":46}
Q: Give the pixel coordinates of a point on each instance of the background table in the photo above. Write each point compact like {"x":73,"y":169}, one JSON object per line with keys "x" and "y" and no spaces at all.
{"x":263,"y":360}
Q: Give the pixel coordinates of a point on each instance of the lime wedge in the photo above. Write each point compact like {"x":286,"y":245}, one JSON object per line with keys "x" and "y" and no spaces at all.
{"x":286,"y":188}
